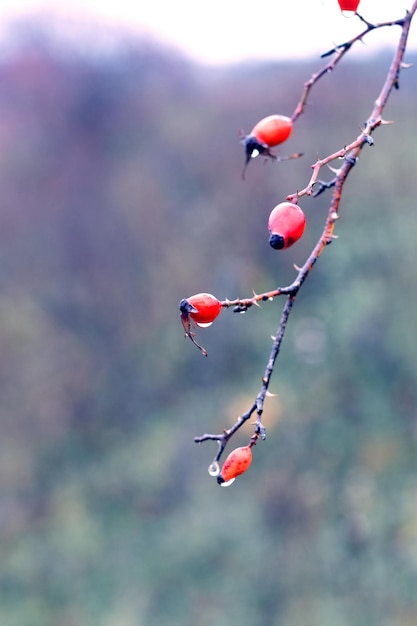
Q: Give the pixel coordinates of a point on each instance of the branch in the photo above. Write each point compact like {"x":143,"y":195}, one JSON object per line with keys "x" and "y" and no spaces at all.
{"x":339,"y":52}
{"x":349,"y":154}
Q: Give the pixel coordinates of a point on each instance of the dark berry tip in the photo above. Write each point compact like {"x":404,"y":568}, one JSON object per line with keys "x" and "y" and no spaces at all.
{"x":276,"y":241}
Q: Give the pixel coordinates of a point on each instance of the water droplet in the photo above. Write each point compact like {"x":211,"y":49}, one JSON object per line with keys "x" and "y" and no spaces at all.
{"x":204,"y":325}
{"x":348,"y":13}
{"x":229,"y":482}
{"x":214,"y":469}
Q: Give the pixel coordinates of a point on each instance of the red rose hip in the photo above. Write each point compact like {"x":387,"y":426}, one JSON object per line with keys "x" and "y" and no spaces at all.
{"x":202,"y":308}
{"x":349,"y":5}
{"x":236,"y":463}
{"x":286,"y":225}
{"x":268,"y":132}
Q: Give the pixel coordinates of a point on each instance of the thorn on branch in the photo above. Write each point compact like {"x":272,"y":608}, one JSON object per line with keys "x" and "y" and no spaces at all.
{"x":334,"y":169}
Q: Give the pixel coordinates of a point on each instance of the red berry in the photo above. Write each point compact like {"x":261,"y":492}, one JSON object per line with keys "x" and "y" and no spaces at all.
{"x":272,"y":130}
{"x":349,"y":5}
{"x":269,"y":132}
{"x":203,"y":308}
{"x":286,"y":225}
{"x":236,"y":463}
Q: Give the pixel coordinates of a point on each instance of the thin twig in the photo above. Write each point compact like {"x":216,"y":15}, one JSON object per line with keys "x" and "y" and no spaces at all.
{"x":338,"y":53}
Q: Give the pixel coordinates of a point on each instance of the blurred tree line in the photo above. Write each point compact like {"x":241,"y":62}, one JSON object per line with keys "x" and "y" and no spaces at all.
{"x":120,"y":195}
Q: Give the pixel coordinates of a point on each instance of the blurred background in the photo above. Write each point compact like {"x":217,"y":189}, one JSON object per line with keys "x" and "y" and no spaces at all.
{"x":120,"y":194}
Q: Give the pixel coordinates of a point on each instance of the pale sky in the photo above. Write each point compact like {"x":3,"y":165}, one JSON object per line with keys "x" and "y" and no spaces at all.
{"x":218,"y":31}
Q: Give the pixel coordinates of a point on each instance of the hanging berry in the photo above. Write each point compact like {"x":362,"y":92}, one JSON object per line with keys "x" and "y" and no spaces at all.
{"x":349,"y":6}
{"x":286,"y":225}
{"x":236,"y":463}
{"x":202,"y":309}
{"x":268,"y":132}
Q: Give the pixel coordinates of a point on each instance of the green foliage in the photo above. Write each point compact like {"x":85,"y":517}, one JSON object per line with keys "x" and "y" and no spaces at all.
{"x":121,"y":194}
